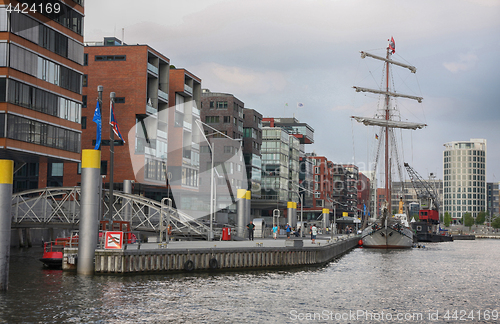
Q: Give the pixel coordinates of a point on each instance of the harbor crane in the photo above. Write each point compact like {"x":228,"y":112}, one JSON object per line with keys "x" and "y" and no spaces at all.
{"x":429,"y":203}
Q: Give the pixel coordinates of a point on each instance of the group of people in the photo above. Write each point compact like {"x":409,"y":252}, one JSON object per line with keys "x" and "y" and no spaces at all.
{"x":288,"y":229}
{"x":348,"y":230}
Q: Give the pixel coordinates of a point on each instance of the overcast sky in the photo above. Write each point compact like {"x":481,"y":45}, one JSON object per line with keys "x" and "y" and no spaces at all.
{"x":273,"y":52}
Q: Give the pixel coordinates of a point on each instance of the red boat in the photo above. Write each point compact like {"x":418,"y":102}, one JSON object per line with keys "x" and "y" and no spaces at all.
{"x":53,"y":251}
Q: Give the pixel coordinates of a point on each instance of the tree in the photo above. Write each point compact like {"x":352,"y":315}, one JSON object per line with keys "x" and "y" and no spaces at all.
{"x":496,"y":222}
{"x":447,"y":219}
{"x":468,"y":220}
{"x":481,"y":217}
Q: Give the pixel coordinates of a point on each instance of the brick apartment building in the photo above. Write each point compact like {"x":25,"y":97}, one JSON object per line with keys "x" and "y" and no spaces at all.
{"x":139,"y":77}
{"x":40,"y":92}
{"x":224,"y":116}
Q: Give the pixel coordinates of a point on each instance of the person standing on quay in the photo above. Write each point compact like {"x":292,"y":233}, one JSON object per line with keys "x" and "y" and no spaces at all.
{"x":251,"y":228}
{"x":275,"y":231}
{"x":288,"y":230}
{"x":314,"y":232}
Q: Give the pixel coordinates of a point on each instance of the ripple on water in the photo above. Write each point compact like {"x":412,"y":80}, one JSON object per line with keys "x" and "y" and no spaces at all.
{"x":443,"y":276}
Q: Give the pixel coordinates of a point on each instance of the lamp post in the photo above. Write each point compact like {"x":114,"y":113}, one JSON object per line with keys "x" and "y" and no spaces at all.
{"x":212,"y":154}
{"x":302,"y":205}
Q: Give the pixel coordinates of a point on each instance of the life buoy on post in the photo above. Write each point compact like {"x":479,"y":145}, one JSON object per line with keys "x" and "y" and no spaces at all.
{"x":189,"y":265}
{"x":213,"y":263}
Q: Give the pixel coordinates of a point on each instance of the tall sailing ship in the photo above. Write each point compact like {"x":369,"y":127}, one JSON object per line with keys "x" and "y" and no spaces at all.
{"x":388,"y":232}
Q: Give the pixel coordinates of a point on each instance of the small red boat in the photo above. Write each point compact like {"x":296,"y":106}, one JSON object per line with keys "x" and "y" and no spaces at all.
{"x":53,"y":251}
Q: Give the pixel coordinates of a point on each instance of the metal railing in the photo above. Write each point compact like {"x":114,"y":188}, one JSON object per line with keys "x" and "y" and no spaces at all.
{"x":62,"y":206}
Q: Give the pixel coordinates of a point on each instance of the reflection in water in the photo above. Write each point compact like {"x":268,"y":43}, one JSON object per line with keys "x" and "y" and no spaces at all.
{"x":443,"y":276}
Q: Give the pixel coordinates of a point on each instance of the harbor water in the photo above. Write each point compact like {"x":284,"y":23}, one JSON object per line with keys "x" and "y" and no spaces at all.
{"x":452,"y":282}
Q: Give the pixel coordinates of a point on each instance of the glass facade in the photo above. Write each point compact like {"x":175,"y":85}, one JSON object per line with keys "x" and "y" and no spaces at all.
{"x":34,"y":98}
{"x":36,"y":132}
{"x":280,"y":165}
{"x":464,"y":165}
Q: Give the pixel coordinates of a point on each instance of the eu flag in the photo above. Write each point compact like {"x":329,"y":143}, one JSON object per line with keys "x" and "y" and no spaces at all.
{"x":97,"y":120}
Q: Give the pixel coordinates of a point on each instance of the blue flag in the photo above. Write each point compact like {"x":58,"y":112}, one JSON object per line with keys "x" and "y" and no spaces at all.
{"x":97,"y":120}
{"x":114,"y":123}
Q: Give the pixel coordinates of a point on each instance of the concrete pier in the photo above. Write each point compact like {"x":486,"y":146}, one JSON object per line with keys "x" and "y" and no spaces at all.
{"x":216,"y":255}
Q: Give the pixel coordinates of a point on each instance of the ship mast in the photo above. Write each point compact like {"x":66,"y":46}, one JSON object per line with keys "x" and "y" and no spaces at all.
{"x":386,"y":123}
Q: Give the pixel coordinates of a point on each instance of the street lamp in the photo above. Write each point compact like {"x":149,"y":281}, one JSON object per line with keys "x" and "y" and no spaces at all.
{"x":212,"y":154}
{"x":302,"y":205}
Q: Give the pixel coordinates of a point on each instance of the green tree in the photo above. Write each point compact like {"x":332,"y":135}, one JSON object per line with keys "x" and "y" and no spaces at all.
{"x":481,"y":217}
{"x":468,"y":220}
{"x":447,"y":219}
{"x":496,"y":222}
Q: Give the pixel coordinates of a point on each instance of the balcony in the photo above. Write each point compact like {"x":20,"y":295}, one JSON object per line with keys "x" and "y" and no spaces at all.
{"x":163,"y":96}
{"x":188,"y":89}
{"x":196,"y":112}
{"x":195,"y":146}
{"x":150,"y":151}
{"x":151,"y":110}
{"x":152,"y":68}
{"x":188,"y":126}
{"x":161,"y":134}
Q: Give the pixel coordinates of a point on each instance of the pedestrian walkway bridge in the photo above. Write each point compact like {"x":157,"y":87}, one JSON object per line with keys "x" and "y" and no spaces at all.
{"x":60,"y":207}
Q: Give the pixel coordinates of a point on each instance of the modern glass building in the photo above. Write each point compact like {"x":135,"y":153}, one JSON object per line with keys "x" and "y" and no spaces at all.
{"x":464,"y":170}
{"x":41,"y":79}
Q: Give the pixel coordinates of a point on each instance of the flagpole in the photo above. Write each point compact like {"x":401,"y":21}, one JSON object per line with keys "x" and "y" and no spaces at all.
{"x":100,"y":89}
{"x":111,"y":159}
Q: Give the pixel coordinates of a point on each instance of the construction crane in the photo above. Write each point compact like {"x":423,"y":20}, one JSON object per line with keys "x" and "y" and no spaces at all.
{"x":429,"y":204}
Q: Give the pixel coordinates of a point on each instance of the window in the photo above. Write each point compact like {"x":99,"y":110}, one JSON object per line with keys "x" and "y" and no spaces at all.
{"x":221,"y":104}
{"x":84,"y":122}
{"x":110,"y":57}
{"x":104,"y":167}
{"x":84,"y":80}
{"x":120,"y":100}
{"x":39,"y":100}
{"x":211,"y":119}
{"x":85,"y":59}
{"x":212,"y":105}
{"x":228,"y":149}
{"x":57,"y":170}
{"x":227,"y":119}
{"x":48,"y":38}
{"x":32,"y":131}
{"x":84,"y":101}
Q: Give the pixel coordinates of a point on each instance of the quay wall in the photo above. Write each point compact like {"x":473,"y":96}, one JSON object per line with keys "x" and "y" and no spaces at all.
{"x":174,"y":260}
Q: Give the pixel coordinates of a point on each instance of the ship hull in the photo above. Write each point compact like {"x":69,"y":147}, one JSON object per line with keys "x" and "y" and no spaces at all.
{"x":387,"y":238}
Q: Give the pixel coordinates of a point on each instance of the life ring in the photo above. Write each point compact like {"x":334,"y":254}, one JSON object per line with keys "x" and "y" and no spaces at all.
{"x":189,"y":265}
{"x":213,"y":263}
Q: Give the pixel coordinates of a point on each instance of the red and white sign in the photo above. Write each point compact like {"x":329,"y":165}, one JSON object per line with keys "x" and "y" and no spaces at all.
{"x":113,"y":240}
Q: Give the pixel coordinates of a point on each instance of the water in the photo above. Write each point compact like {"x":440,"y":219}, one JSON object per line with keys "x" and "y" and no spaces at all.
{"x":363,"y":286}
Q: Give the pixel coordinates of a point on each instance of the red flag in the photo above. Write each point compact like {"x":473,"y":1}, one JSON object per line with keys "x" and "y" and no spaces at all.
{"x":392,"y":45}
{"x":114,"y":123}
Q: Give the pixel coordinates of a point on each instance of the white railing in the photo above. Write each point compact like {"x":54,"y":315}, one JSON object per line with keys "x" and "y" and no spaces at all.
{"x":152,"y":68}
{"x":151,"y":110}
{"x":162,"y":95}
{"x":161,"y":134}
{"x":188,"y":89}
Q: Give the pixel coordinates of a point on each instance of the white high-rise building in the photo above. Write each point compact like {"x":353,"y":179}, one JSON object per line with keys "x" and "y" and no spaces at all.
{"x":464,"y":170}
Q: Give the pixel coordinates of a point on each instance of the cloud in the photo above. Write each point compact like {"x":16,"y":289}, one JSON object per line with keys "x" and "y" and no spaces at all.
{"x":464,"y":63}
{"x":239,"y":80}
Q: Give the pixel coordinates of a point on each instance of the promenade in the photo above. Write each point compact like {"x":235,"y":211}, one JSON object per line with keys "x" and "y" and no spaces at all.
{"x":178,"y":256}
{"x":269,"y":242}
